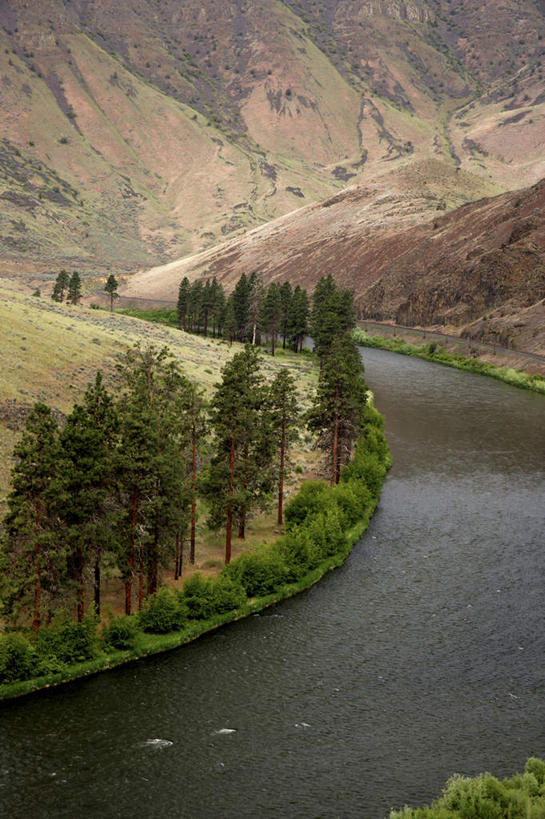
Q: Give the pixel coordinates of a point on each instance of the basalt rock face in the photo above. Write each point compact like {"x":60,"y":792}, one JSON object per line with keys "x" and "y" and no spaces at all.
{"x":137,"y":132}
{"x":481,"y":267}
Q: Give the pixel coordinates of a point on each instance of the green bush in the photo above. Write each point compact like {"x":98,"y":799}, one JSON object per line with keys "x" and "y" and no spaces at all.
{"x":205,"y":597}
{"x":368,"y":468}
{"x":230,"y":594}
{"x":353,"y":499}
{"x":485,"y":797}
{"x":311,"y":498}
{"x":66,"y":642}
{"x":163,"y":612}
{"x":121,"y":633}
{"x":259,"y":573}
{"x":16,"y":658}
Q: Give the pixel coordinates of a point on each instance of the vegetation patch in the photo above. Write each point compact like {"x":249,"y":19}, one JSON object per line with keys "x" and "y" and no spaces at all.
{"x":485,"y":797}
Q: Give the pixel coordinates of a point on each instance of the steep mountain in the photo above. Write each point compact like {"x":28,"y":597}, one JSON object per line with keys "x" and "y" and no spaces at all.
{"x":140,"y":131}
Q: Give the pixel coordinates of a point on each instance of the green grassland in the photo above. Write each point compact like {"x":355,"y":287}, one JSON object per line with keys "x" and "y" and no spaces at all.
{"x":51,"y":351}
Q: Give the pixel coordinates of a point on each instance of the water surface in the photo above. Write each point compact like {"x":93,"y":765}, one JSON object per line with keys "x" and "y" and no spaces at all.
{"x":422,"y":656}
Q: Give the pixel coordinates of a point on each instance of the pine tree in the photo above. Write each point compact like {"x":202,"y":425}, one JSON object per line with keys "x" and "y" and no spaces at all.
{"x":88,"y":443}
{"x":183,"y":303}
{"x":206,"y":306}
{"x":74,"y":288}
{"x":153,"y":464}
{"x":218,"y":313}
{"x":285,"y":414}
{"x":297,"y":327}
{"x":111,"y":288}
{"x":241,"y":306}
{"x":256,"y":298}
{"x":337,"y":412}
{"x":34,"y":562}
{"x":229,"y":329}
{"x":240,"y":472}
{"x":272,"y":313}
{"x":286,"y":296}
{"x":332,"y":315}
{"x":60,"y":286}
{"x":194,"y":306}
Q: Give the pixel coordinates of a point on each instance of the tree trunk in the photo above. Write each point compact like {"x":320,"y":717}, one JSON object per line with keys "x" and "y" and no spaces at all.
{"x":153,"y":564}
{"x":140,"y":577}
{"x":273,"y":342}
{"x":229,"y":526}
{"x":79,"y":578}
{"x":97,"y":586}
{"x":193,"y":498}
{"x":130,"y":558}
{"x":37,"y":588}
{"x":334,"y":448}
{"x":281,"y":476}
{"x":254,"y":328}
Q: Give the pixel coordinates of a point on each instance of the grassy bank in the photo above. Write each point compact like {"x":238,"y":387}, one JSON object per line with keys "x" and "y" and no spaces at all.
{"x":322,"y":525}
{"x":435,"y":353}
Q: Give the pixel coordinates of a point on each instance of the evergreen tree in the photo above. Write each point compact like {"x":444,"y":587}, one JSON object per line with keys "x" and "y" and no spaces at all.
{"x":272,"y":313}
{"x":33,"y":560}
{"x":257,"y":295}
{"x":206,"y":305}
{"x":74,"y":288}
{"x":285,"y":414}
{"x":88,"y":443}
{"x":286,"y":296}
{"x":152,"y":465}
{"x":240,"y":472}
{"x":337,"y":412}
{"x":332,"y":315}
{"x":229,"y":329}
{"x":111,"y":288}
{"x":241,"y":306}
{"x":194,"y":307}
{"x":60,"y":286}
{"x":183,"y":303}
{"x":297,"y":327}
{"x":218,"y":313}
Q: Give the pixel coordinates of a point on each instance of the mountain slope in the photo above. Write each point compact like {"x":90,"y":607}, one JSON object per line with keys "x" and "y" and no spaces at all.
{"x":138,"y":132}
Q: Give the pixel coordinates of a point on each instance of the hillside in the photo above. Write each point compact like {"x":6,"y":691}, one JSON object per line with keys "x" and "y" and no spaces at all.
{"x":138,"y":132}
{"x":479,"y":269}
{"x":51,"y":351}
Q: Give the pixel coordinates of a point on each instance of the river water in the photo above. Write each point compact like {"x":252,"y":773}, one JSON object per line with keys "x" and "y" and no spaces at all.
{"x":422,"y":656}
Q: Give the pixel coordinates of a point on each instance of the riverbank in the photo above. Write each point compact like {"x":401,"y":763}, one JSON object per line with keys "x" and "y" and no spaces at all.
{"x":435,"y":353}
{"x":326,"y":522}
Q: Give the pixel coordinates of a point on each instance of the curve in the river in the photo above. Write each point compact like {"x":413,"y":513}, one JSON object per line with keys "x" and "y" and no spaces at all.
{"x":422,"y":656}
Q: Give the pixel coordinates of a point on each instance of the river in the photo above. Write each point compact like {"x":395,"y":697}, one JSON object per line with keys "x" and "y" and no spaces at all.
{"x":422,"y":656}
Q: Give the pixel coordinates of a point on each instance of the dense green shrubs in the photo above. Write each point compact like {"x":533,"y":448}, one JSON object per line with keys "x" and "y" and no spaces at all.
{"x":163,"y":612}
{"x":318,"y":522}
{"x":485,"y":797}
{"x":121,"y":633}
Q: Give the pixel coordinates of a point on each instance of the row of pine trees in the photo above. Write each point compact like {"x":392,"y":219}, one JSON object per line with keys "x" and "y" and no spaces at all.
{"x":250,"y":311}
{"x":116,"y":485}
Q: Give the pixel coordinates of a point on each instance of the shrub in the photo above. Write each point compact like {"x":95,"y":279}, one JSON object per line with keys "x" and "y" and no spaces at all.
{"x":352,"y":499}
{"x":259,"y":573}
{"x":230,"y":594}
{"x":198,"y":596}
{"x":16,"y":658}
{"x":367,"y":468}
{"x":121,"y":633}
{"x":163,"y":612}
{"x":312,"y":497}
{"x":67,"y":642}
{"x":296,"y":551}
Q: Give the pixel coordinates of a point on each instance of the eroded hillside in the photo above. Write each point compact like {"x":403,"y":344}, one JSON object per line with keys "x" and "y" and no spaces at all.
{"x":139,"y":132}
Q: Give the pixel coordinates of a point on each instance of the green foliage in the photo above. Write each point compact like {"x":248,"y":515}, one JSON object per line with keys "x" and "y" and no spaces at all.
{"x":311,"y":498}
{"x":121,"y":633}
{"x":67,"y":642}
{"x":163,"y":612}
{"x":158,"y":315}
{"x":16,"y":658}
{"x":485,"y":797}
{"x":259,"y":573}
{"x":205,"y":597}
